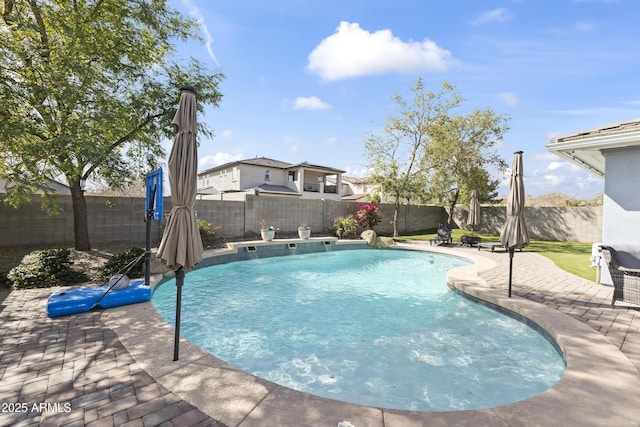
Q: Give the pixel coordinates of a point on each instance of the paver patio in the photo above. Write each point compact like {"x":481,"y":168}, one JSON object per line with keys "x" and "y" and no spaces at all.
{"x":84,"y":370}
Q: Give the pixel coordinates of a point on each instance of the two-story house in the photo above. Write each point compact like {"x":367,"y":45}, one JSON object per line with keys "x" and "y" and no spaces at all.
{"x":268,"y":177}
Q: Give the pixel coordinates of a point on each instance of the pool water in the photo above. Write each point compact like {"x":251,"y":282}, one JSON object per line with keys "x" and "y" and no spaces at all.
{"x":373,"y":327}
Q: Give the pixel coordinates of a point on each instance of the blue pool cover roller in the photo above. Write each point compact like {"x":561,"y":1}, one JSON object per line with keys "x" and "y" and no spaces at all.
{"x":79,"y":300}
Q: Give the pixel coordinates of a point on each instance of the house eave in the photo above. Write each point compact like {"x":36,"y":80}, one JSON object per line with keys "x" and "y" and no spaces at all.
{"x":585,"y":148}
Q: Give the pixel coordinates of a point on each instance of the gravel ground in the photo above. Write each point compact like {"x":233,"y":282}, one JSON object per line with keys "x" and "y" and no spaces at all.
{"x":88,"y":262}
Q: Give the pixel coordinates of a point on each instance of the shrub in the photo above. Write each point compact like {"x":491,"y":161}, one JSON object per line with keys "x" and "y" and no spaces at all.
{"x":53,"y":268}
{"x":208,"y":232}
{"x":369,"y":215}
{"x":4,"y":280}
{"x":344,"y":225}
{"x":120,"y":260}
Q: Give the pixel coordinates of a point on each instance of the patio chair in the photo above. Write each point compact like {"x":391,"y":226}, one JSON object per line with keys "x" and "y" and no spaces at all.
{"x":626,"y":280}
{"x":443,"y":235}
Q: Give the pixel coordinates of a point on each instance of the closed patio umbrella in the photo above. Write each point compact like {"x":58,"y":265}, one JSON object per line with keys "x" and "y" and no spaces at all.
{"x":514,"y":235}
{"x":474,"y":211}
{"x":181,"y":246}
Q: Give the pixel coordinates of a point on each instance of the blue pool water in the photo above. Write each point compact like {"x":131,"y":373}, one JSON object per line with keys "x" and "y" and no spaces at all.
{"x":374,"y":327}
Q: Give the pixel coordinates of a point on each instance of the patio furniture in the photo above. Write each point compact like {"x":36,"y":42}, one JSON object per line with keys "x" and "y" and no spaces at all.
{"x":443,"y":235}
{"x":626,"y":280}
{"x":490,"y":245}
{"x":470,"y":239}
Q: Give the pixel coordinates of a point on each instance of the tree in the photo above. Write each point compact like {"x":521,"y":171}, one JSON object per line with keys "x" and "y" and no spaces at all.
{"x":458,"y":156}
{"x":88,"y":91}
{"x":397,"y":156}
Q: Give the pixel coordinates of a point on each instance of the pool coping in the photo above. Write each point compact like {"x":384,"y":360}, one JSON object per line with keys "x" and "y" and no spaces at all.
{"x":597,"y":387}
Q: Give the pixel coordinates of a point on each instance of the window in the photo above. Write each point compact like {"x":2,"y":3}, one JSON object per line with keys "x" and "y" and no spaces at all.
{"x":292,"y":176}
{"x":266,"y":174}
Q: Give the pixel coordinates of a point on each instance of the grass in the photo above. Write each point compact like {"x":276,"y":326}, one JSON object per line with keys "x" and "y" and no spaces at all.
{"x":572,"y":257}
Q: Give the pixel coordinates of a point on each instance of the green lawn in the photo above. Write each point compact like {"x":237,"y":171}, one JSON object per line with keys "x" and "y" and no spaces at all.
{"x":569,"y":256}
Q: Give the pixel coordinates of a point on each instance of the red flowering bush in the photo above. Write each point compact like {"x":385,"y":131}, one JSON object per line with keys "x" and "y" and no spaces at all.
{"x":369,"y":215}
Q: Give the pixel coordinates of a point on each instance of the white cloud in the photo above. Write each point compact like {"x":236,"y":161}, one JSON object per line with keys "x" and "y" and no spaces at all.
{"x":352,"y":51}
{"x":226,"y":133}
{"x":195,"y":13}
{"x":496,"y":15}
{"x":357,"y":172}
{"x":217,"y":159}
{"x":584,"y":26}
{"x":310,"y":103}
{"x":294,"y":148}
{"x":509,"y":98}
{"x":554,"y":180}
{"x":555,"y":165}
{"x":331,"y":140}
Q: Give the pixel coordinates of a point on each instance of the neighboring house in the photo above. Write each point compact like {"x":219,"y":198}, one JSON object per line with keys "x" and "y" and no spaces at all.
{"x":612,"y":152}
{"x":52,"y":187}
{"x":355,"y":189}
{"x":268,"y":177}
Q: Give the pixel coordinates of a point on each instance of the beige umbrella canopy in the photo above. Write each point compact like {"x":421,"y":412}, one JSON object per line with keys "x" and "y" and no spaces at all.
{"x":181,"y":246}
{"x":514,"y":234}
{"x":474,"y":211}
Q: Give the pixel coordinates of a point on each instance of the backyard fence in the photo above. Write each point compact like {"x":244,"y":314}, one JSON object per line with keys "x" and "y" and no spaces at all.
{"x":121,"y":219}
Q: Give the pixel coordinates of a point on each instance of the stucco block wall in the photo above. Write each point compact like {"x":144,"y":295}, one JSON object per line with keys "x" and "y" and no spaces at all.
{"x":571,"y":224}
{"x":284,"y":213}
{"x":121,"y":219}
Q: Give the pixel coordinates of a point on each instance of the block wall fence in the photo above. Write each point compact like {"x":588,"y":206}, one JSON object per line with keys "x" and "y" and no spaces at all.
{"x":121,"y":219}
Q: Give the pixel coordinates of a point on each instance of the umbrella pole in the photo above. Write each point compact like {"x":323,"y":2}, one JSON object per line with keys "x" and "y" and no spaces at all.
{"x":511,"y":251}
{"x":179,"y":283}
{"x":147,"y":246}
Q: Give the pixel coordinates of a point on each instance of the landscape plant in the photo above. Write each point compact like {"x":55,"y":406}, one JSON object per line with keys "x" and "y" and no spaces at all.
{"x":120,"y":260}
{"x":52,"y":267}
{"x":345,"y":226}
{"x":208,"y":232}
{"x":429,"y":153}
{"x":88,"y":92}
{"x":368,"y":216}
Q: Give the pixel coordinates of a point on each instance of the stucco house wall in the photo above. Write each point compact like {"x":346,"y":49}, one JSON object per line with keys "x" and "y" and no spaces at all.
{"x":612,"y":152}
{"x":621,"y":209}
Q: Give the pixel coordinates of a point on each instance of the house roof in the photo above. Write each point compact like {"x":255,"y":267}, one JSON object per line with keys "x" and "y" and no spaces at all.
{"x":355,"y":197}
{"x":52,"y":186}
{"x":272,"y":163}
{"x":584,"y":148}
{"x":280,"y":189}
{"x":359,"y":180}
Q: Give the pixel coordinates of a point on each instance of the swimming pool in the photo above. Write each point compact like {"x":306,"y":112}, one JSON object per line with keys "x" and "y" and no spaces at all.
{"x":379,"y":328}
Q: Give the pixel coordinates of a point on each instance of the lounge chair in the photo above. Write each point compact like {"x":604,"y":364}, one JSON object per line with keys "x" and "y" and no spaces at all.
{"x":443,"y":235}
{"x":626,"y":280}
{"x":491,"y":245}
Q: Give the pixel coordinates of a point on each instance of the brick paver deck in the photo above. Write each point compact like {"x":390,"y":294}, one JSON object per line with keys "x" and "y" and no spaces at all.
{"x":74,"y":370}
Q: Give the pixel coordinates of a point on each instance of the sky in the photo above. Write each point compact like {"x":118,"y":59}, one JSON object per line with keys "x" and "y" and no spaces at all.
{"x":309,"y":80}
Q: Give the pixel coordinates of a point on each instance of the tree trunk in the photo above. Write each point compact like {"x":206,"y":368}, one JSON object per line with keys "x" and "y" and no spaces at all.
{"x":452,"y":207}
{"x":80,"y":226}
{"x":395,"y":216}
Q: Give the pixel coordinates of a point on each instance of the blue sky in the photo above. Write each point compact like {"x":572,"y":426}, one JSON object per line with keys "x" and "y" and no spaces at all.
{"x":308,"y":80}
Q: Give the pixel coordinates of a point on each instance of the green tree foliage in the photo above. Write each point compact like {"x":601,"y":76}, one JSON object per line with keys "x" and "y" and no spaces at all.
{"x":397,"y":155}
{"x":429,"y":153}
{"x":459,"y":156}
{"x":88,"y":89}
